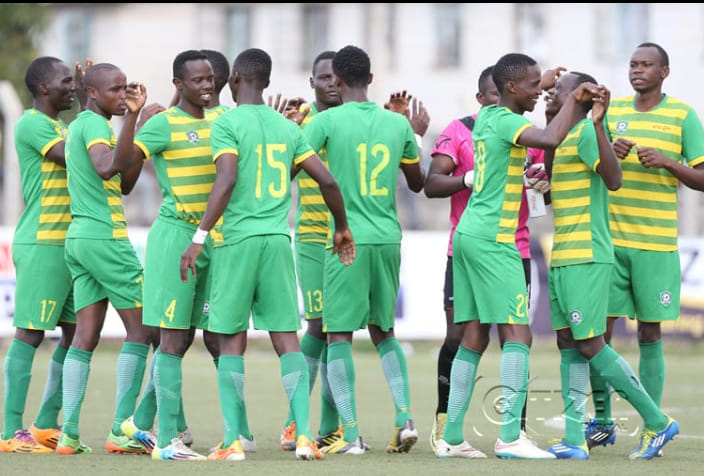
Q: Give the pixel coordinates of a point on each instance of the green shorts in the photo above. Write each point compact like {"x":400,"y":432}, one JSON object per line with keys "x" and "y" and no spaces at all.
{"x":645,"y":285}
{"x":364,"y":292}
{"x":104,"y":269}
{"x":579,"y":294}
{"x":168,"y":302}
{"x":489,"y":282}
{"x":254,"y":275}
{"x":310,"y":266}
{"x":44,"y":291}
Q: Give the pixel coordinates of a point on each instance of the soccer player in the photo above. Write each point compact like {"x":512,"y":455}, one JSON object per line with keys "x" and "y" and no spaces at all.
{"x":488,"y":276}
{"x":660,"y":142}
{"x":311,"y":229}
{"x":190,"y":112}
{"x":584,"y":166}
{"x":43,"y":295}
{"x":178,"y":140}
{"x":103,"y":264}
{"x":366,"y":145}
{"x":451,"y":174}
{"x":252,"y":270}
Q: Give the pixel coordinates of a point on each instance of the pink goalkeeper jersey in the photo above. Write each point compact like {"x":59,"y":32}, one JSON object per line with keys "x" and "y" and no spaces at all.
{"x":456,"y":142}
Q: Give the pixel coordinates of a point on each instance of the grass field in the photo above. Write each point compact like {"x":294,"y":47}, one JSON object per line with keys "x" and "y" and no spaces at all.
{"x":683,"y":399}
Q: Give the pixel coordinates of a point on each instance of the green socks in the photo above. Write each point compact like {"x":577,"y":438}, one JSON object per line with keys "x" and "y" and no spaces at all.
{"x":75,"y":380}
{"x":574,"y":375}
{"x":48,"y":416}
{"x":341,"y":376}
{"x":130,"y":372}
{"x":393,"y":362}
{"x":514,"y":383}
{"x":167,"y":380}
{"x":231,"y":390}
{"x":462,"y":376}
{"x":18,"y":374}
{"x":619,"y":374}
{"x":651,"y":369}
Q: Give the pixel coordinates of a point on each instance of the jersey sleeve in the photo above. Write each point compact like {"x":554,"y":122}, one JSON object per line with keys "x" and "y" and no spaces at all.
{"x":222,"y":138}
{"x":154,"y":136}
{"x":587,"y":146}
{"x":410,"y":148}
{"x":316,"y":131}
{"x":692,"y":139}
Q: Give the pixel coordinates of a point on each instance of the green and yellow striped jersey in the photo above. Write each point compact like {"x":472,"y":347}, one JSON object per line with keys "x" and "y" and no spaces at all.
{"x":47,"y":214}
{"x":579,"y":201}
{"x":643,"y":212}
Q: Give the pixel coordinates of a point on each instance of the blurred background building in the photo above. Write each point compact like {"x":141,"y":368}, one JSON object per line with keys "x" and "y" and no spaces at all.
{"x":434,"y":50}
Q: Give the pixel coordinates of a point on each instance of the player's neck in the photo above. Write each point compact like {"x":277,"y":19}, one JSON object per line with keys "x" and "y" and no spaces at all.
{"x":645,"y":101}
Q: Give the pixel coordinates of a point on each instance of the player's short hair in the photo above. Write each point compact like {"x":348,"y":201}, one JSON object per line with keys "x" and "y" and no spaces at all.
{"x":325,"y":55}
{"x":254,"y":64}
{"x":351,"y":64}
{"x":182,"y":58}
{"x":483,"y":77}
{"x":95,"y":72}
{"x":221,"y":68}
{"x":510,"y":67}
{"x":664,"y":58}
{"x":583,"y":78}
{"x":40,"y":70}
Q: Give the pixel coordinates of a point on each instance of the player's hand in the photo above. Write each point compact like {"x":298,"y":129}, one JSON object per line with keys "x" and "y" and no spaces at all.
{"x":588,"y":92}
{"x":622,"y":147}
{"x":650,"y":157}
{"x":136,"y":97}
{"x":188,"y":260}
{"x":279,"y":104}
{"x":148,"y":112}
{"x":601,"y":105}
{"x":537,"y":178}
{"x":296,"y":110}
{"x":344,"y":247}
{"x":78,"y":80}
{"x":418,"y":117}
{"x":398,"y":102}
{"x":550,"y":76}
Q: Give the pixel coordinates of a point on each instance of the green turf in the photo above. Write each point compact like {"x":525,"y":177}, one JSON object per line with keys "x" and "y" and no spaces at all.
{"x":683,"y":399}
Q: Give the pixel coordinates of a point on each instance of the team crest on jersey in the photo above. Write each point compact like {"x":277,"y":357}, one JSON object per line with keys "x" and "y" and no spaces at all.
{"x":665,"y":298}
{"x":621,"y":126}
{"x":575,"y":317}
{"x":192,"y":137}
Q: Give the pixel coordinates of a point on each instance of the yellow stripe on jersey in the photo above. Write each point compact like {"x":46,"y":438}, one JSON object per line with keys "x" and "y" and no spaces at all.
{"x":99,"y":140}
{"x":505,"y":238}
{"x":571,"y":185}
{"x":112,"y":185}
{"x":649,"y":178}
{"x":118,"y":233}
{"x":54,"y":183}
{"x":191,"y":207}
{"x":312,"y":200}
{"x":192,"y":189}
{"x":573,"y":236}
{"x":571,"y":254}
{"x":572,"y":220}
{"x":643,"y":245}
{"x":315,"y":216}
{"x":49,"y":166}
{"x":575,"y":202}
{"x":116,"y":217}
{"x":302,"y":157}
{"x":647,"y":195}
{"x":314,"y":229}
{"x":186,"y":153}
{"x":508,"y":222}
{"x":47,"y":147}
{"x":51,"y":234}
{"x":55,"y":218}
{"x":173,"y":172}
{"x":48,"y":201}
{"x":225,"y":151}
{"x":643,"y":212}
{"x":307,"y":183}
{"x":406,"y":160}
